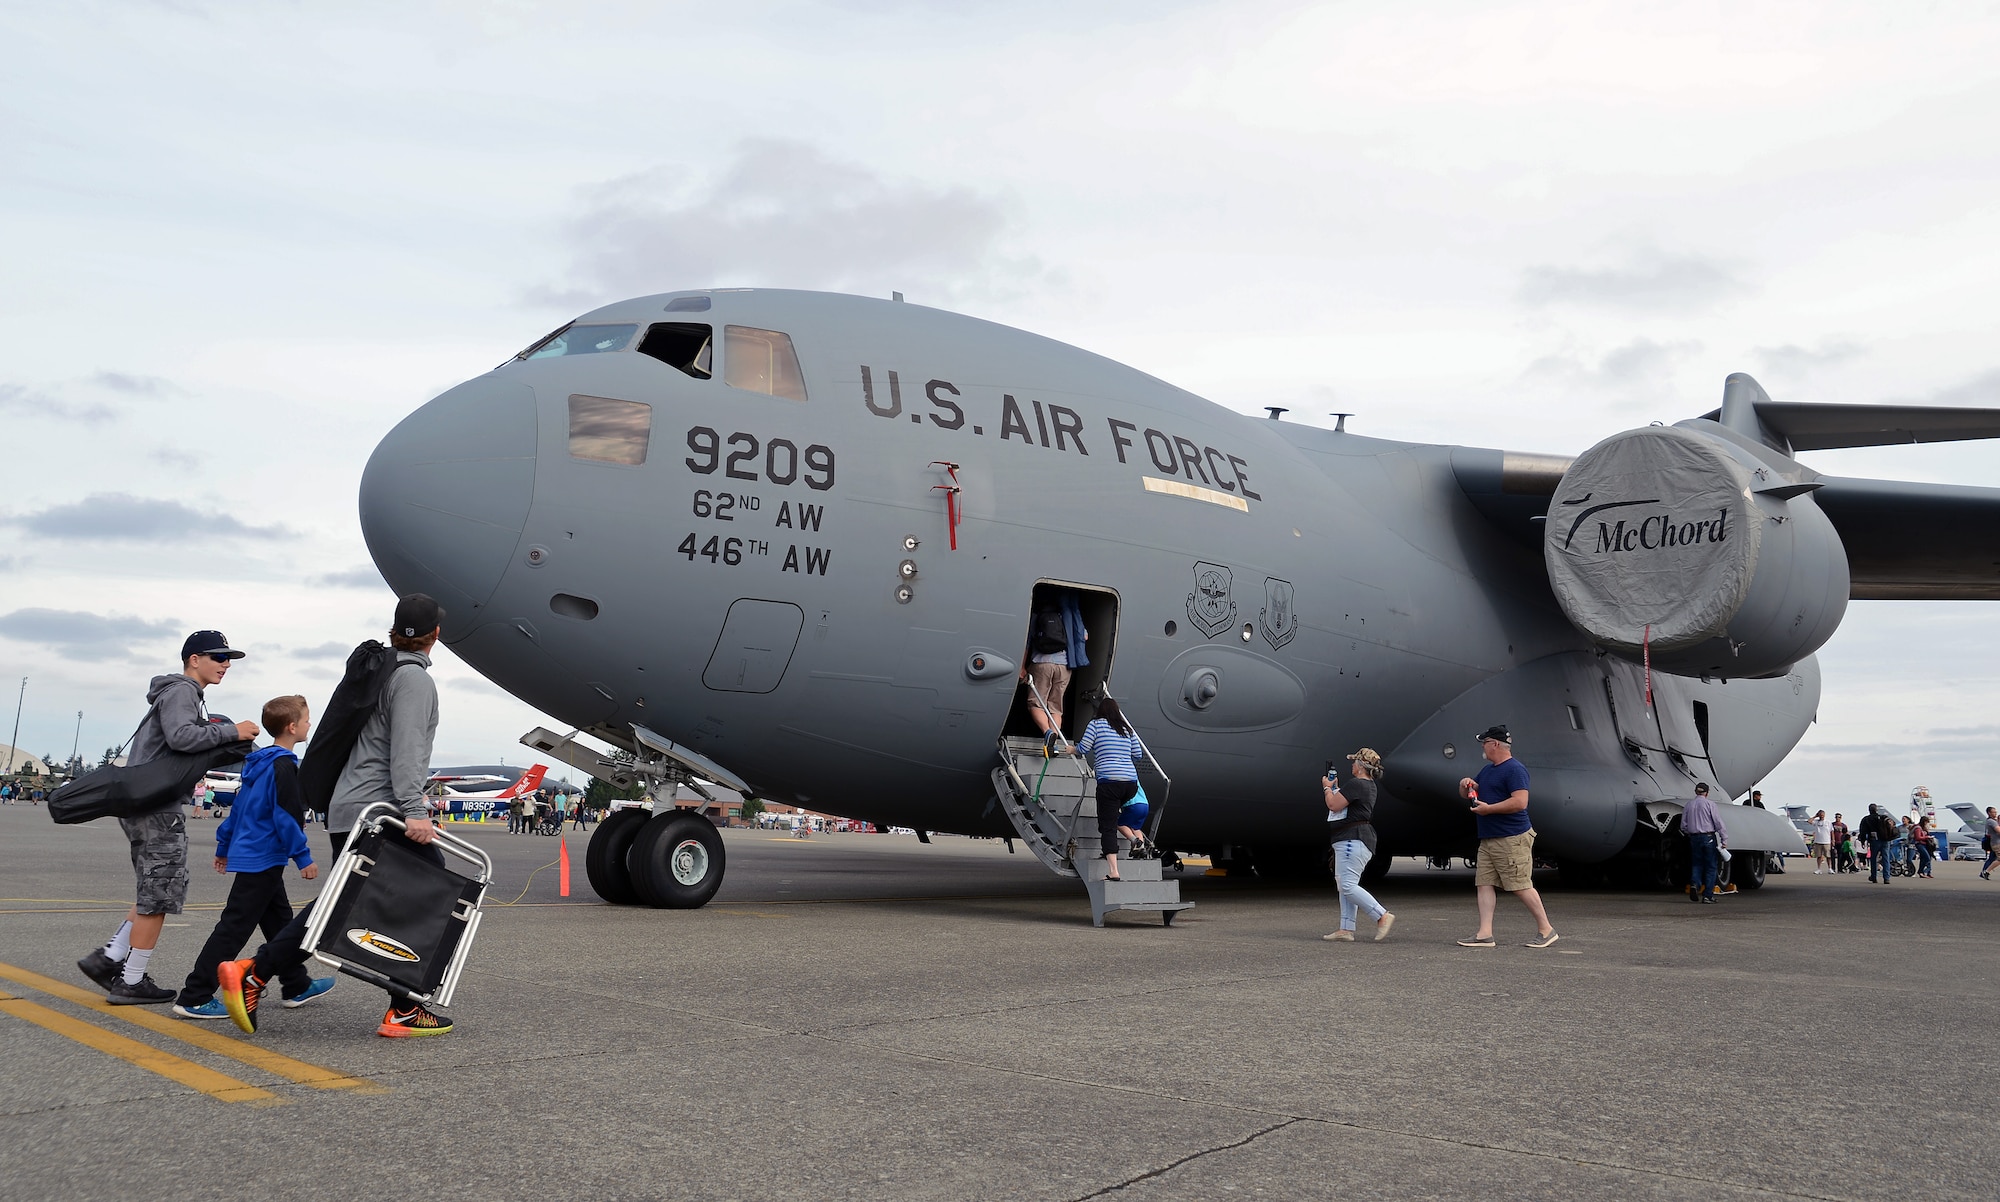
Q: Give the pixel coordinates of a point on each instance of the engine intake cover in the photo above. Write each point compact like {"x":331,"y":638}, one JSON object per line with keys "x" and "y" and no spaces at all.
{"x":1666,"y":527}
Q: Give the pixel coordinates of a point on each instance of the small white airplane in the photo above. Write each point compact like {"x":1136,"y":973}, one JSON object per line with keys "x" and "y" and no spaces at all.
{"x":486,"y":786}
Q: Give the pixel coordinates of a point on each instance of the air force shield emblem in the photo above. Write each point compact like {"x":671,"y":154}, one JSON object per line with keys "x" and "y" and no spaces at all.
{"x":1278,"y":620}
{"x":1209,"y":606}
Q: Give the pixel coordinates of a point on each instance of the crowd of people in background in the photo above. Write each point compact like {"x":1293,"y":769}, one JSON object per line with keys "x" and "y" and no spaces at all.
{"x":543,"y":813}
{"x":13,"y":794}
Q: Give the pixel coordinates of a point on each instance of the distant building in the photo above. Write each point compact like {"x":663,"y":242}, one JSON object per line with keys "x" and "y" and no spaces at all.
{"x":24,"y":764}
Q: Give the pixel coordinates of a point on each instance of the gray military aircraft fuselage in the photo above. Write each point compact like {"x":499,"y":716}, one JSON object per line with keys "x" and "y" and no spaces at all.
{"x":798,"y":536}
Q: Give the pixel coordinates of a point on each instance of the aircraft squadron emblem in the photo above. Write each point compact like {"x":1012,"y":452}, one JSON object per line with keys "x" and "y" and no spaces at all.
{"x":1278,"y":619}
{"x":1209,"y":606}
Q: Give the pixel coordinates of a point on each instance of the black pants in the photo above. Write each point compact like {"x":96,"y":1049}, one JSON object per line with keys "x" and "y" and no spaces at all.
{"x":256,"y":900}
{"x":1111,"y":798}
{"x":283,"y":953}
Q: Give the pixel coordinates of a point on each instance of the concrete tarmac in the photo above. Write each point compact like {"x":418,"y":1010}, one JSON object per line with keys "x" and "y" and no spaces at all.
{"x":864,"y":1016}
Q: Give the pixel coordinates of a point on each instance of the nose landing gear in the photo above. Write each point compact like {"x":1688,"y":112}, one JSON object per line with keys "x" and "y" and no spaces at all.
{"x":676,"y":861}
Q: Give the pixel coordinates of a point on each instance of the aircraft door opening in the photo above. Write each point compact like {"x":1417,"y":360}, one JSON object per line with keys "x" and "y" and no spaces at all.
{"x":1095,"y":610}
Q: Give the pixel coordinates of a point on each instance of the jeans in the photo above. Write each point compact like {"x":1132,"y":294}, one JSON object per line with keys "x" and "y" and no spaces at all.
{"x":1923,"y":859}
{"x":1878,"y":857}
{"x":1350,"y":856}
{"x":1705,"y":865}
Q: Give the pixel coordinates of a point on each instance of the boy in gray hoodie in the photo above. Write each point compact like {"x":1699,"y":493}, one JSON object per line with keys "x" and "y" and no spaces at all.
{"x":177,"y":720}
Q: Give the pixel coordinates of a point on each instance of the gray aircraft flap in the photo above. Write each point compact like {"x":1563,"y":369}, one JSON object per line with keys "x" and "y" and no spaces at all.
{"x":755,"y":648}
{"x":1653,"y":527}
{"x":1760,"y":830}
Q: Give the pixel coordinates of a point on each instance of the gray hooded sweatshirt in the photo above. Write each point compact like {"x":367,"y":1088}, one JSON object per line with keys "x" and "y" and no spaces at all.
{"x":177,"y":721}
{"x":391,"y":759}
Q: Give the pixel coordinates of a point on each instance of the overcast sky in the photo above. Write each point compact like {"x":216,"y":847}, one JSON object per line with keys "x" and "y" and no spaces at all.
{"x":242,"y":241}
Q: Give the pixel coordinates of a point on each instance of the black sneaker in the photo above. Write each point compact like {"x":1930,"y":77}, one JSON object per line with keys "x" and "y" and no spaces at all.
{"x":145,"y":993}
{"x":101,"y":968}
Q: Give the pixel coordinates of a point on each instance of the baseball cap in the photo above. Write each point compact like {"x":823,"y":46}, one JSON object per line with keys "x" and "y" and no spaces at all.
{"x":1496,"y":732}
{"x":208,"y":642}
{"x":1368,"y":758}
{"x":417,"y":614}
{"x":1702,"y":789}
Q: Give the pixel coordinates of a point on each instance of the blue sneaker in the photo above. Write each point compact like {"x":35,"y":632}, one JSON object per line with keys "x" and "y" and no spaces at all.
{"x":320,"y":985}
{"x":212,"y":1008}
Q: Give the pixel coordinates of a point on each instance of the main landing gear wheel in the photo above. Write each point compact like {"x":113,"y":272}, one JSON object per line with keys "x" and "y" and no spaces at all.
{"x":1374,"y":870}
{"x":1746,"y":868}
{"x":604,"y":861}
{"x":677,"y":861}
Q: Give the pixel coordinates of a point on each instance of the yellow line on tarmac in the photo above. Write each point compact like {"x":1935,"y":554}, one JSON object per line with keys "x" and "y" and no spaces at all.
{"x":186,"y":1072}
{"x":207,"y":1040}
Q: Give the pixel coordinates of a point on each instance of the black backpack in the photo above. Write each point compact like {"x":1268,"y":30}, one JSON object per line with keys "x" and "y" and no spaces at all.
{"x":354,"y":701}
{"x":1050,"y":632}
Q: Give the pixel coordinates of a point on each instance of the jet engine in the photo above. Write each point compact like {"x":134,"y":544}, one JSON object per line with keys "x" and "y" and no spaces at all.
{"x":1697,"y":549}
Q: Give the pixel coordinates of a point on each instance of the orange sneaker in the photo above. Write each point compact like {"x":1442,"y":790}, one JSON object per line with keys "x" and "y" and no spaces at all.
{"x":240,"y":987}
{"x":403,"y":1022}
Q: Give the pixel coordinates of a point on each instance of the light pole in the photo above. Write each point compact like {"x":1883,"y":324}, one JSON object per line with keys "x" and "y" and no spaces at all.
{"x":22,"y":696}
{"x":75,"y":742}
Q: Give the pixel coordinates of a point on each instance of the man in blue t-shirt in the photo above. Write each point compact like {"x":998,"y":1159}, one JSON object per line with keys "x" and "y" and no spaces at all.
{"x":1499,"y":800}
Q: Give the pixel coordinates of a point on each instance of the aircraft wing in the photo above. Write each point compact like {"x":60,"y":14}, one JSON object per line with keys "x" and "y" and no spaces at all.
{"x":1808,"y":426}
{"x":1916,"y":542}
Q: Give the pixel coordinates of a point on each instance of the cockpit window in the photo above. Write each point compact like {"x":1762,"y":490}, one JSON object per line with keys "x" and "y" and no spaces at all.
{"x":581,"y":340}
{"x":683,"y":346}
{"x":609,"y":431}
{"x":761,"y":361}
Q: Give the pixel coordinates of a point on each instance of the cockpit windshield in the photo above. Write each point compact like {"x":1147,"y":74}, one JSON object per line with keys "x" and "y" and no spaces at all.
{"x":762,"y":361}
{"x":581,"y":340}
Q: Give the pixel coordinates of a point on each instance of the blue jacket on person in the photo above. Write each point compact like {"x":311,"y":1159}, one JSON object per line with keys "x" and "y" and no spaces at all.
{"x":262,"y":831}
{"x":1072,"y":613}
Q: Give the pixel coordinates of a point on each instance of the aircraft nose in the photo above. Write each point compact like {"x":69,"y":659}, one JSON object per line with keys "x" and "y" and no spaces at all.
{"x":446,"y":494}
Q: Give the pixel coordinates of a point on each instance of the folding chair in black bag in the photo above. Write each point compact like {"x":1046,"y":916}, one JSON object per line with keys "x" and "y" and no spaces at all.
{"x":392,"y":917}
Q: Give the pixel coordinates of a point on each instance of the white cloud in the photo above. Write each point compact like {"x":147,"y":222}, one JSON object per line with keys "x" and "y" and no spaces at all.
{"x":86,"y":636}
{"x":124,"y":517}
{"x":781,"y":212}
{"x":1650,"y":282}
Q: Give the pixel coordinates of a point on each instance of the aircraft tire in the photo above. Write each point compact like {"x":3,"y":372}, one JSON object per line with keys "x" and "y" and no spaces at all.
{"x":1375,"y":869}
{"x":677,"y":861}
{"x":1747,"y":869}
{"x":604,"y":859}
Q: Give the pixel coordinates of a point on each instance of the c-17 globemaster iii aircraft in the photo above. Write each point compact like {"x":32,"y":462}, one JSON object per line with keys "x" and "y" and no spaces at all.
{"x":790,"y":542}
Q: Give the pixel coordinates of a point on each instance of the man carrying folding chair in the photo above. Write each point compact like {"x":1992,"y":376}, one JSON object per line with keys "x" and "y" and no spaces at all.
{"x":389,"y":762}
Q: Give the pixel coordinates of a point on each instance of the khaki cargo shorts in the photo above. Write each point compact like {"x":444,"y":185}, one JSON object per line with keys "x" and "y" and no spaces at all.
{"x":1051,"y":681}
{"x":1507,"y":863}
{"x":159,"y":858}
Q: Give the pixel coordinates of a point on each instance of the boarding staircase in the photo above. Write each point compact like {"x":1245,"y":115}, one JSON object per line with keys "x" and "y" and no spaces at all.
{"x":1051,"y":797}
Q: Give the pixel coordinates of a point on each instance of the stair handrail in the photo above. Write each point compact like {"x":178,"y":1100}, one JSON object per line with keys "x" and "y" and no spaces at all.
{"x":1064,"y":745}
{"x":1067,"y":842}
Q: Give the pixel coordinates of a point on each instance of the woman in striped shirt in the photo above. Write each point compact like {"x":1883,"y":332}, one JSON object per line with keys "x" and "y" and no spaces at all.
{"x":1114,"y":753}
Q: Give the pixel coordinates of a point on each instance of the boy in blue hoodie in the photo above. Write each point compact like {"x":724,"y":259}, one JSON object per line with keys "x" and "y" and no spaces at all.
{"x":265,"y":828}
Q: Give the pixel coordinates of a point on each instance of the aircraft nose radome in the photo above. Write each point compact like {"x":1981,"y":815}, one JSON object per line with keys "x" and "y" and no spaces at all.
{"x":446,"y":494}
